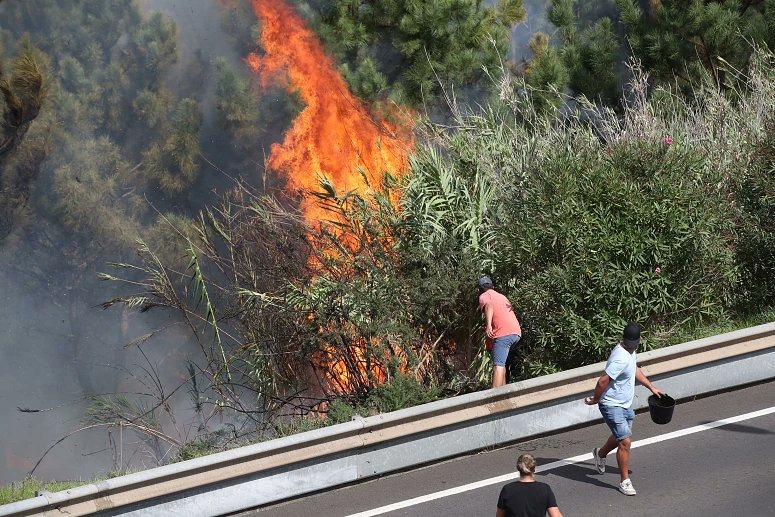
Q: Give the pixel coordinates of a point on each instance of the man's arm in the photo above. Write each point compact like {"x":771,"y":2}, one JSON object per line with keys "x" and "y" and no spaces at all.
{"x":488,"y":319}
{"x":600,"y":387}
{"x":641,"y":378}
{"x":553,"y":512}
{"x":500,"y":512}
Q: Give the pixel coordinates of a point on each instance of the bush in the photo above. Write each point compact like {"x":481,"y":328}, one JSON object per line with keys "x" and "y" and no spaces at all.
{"x":202,"y":445}
{"x":606,"y":234}
{"x":340,"y":411}
{"x":402,"y":391}
{"x":755,"y":250}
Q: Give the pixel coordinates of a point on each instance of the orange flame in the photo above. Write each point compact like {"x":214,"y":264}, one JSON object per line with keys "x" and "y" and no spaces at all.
{"x":335,"y":135}
{"x":347,"y":375}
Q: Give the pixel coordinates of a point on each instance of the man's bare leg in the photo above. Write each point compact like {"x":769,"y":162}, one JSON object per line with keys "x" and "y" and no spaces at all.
{"x":623,"y":458}
{"x":610,"y":444}
{"x":622,"y":454}
{"x":498,"y":376}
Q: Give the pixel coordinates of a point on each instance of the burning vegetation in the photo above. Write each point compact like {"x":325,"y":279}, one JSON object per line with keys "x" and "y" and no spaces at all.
{"x":335,"y":142}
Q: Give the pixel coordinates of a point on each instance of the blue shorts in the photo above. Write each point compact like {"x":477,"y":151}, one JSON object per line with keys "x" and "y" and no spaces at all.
{"x":501,"y":347}
{"x":619,"y":420}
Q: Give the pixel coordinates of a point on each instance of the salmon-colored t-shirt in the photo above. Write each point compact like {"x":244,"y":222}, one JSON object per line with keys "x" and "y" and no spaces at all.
{"x":504,"y":321}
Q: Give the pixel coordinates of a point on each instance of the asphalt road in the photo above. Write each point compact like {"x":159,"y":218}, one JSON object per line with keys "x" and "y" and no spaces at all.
{"x":715,"y":458}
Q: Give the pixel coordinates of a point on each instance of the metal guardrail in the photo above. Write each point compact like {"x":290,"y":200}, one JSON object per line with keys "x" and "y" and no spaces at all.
{"x":365,"y":447}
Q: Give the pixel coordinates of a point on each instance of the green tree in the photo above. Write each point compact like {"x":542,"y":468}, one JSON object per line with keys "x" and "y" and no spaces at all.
{"x":115,"y":97}
{"x":173,"y":163}
{"x":89,"y":188}
{"x":676,"y":38}
{"x":153,"y":106}
{"x":367,"y":81}
{"x":155,"y":45}
{"x":546,"y":75}
{"x":589,"y":52}
{"x":83,"y":29}
{"x":237,"y":103}
{"x":72,"y":75}
{"x":410,"y":46}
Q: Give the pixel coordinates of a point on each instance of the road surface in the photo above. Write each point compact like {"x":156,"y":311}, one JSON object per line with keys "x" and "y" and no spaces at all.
{"x":715,"y":458}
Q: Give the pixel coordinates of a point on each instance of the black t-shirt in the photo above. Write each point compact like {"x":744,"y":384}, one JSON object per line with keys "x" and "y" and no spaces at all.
{"x":530,"y":499}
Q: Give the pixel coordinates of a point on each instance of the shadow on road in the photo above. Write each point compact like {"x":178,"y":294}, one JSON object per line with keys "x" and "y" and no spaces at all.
{"x":740,"y":428}
{"x":581,"y":472}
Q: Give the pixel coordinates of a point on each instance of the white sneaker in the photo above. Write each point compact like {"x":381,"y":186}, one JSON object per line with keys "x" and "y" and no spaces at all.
{"x":599,"y":462}
{"x":626,"y":487}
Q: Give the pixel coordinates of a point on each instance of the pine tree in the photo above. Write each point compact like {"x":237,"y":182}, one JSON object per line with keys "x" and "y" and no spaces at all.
{"x":589,"y":50}
{"x":681,"y":39}
{"x":156,"y":45}
{"x":546,"y":74}
{"x":676,"y":38}
{"x":407,"y":47}
{"x":174,"y":162}
{"x":237,"y":103}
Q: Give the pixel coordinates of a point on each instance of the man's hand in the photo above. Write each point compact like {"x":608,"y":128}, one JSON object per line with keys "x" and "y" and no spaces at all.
{"x":488,"y":331}
{"x":590,"y":401}
{"x":656,"y":391}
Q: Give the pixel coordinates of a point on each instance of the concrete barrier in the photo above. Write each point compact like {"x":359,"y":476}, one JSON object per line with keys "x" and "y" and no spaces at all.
{"x":287,"y":467}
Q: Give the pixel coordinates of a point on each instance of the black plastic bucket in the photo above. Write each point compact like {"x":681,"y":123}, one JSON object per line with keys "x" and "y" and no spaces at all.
{"x":661,"y":408}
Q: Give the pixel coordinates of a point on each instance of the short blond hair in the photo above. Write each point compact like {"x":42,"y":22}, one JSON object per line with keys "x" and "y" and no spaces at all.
{"x":526,"y":464}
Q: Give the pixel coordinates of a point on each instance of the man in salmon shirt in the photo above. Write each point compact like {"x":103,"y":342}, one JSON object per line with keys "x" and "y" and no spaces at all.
{"x":501,"y":326}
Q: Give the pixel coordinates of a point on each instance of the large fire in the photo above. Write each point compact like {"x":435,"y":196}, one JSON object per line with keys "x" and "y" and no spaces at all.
{"x":334,"y":137}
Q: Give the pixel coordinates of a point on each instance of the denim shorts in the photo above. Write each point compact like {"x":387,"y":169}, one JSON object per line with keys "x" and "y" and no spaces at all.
{"x":501,"y":347}
{"x":619,"y":420}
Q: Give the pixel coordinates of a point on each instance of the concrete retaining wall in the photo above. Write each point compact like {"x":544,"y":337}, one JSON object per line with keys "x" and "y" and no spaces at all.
{"x":287,"y":467}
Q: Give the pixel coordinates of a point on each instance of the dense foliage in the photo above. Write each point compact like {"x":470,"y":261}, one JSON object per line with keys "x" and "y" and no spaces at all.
{"x":677,"y":41}
{"x":675,"y":38}
{"x":407,"y":49}
{"x":755,"y":198}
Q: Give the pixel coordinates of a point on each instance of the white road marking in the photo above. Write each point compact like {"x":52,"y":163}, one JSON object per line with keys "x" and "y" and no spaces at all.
{"x":559,"y":463}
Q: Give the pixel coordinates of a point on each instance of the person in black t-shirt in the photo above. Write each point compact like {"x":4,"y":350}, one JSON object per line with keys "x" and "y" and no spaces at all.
{"x":527,"y":497}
